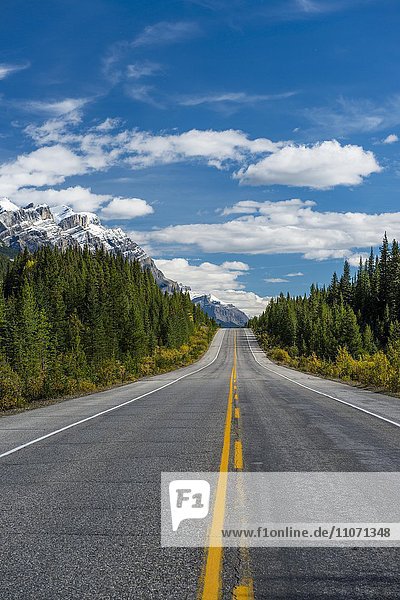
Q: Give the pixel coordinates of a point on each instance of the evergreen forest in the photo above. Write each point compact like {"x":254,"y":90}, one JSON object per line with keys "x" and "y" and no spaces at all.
{"x":349,"y":329}
{"x":75,"y":321}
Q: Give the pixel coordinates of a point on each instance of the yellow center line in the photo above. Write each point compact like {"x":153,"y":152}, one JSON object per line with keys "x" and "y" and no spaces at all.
{"x":212,"y":579}
{"x":244,"y":591}
{"x":238,"y":455}
{"x":212,"y":582}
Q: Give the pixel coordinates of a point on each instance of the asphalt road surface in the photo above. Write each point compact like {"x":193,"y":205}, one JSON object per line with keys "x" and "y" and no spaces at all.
{"x":80,"y":491}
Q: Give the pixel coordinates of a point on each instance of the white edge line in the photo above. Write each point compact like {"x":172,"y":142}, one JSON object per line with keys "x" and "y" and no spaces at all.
{"x":108,"y":410}
{"x":364,"y":410}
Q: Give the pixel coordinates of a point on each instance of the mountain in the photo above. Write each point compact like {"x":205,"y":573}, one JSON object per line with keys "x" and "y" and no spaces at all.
{"x":226,"y":315}
{"x":34,"y":226}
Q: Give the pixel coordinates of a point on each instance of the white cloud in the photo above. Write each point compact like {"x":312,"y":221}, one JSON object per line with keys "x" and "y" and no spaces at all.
{"x":49,"y":165}
{"x":215,"y":147}
{"x":83,"y":199}
{"x":391,"y":139}
{"x":354,"y":259}
{"x":55,"y":130}
{"x":286,"y":227}
{"x":79,"y":198}
{"x":164,"y":33}
{"x":219,"y":280}
{"x":298,"y":274}
{"x":126,"y":208}
{"x":108,"y":125}
{"x":206,"y":277}
{"x":275,"y":280}
{"x":235,"y":265}
{"x":355,"y":115}
{"x":321,"y":166}
{"x":9,"y":69}
{"x":56,"y":108}
{"x":65,"y":152}
{"x":230,"y":98}
{"x":141,"y":149}
{"x":249,"y":302}
{"x":245,"y":207}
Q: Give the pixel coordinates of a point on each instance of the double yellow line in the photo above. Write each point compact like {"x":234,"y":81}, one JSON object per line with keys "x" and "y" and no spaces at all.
{"x":211,"y":581}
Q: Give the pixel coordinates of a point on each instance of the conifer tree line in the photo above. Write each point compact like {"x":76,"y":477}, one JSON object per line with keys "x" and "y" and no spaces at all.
{"x":355,"y":318}
{"x":75,"y":320}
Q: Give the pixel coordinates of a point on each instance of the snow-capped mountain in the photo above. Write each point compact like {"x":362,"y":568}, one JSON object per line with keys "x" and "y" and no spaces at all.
{"x":34,"y":226}
{"x":226,"y":315}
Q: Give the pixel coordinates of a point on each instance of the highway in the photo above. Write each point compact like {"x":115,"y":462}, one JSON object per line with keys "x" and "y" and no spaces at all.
{"x":80,"y":482}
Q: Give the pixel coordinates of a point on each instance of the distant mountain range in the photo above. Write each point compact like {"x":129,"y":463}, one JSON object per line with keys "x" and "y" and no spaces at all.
{"x":226,"y":315}
{"x":34,"y":226}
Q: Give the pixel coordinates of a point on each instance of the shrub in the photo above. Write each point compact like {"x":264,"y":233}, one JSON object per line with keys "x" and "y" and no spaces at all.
{"x":11,"y":387}
{"x":280,"y":355}
{"x":110,"y":371}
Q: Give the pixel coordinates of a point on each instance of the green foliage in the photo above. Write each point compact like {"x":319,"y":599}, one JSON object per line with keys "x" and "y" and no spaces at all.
{"x":280,"y":355}
{"x":11,"y":388}
{"x":75,"y":321}
{"x":349,"y":330}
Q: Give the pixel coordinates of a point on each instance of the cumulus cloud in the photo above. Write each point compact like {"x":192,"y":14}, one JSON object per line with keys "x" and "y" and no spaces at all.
{"x":286,"y":227}
{"x":219,"y":280}
{"x":126,"y":208}
{"x":83,"y":199}
{"x":79,"y":198}
{"x":321,"y":166}
{"x":298,"y":274}
{"x":206,"y":277}
{"x":354,"y":259}
{"x":215,"y":147}
{"x":235,"y":265}
{"x":65,"y":151}
{"x":392,"y":138}
{"x":141,"y":149}
{"x":249,"y":302}
{"x":42,"y":167}
{"x":7,"y":69}
{"x":244,"y":207}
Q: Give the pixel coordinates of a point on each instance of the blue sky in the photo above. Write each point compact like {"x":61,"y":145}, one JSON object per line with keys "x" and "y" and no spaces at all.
{"x":249,"y":146}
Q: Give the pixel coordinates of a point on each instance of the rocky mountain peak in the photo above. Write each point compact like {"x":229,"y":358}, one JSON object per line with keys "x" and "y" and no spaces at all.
{"x":226,"y":315}
{"x":34,"y":226}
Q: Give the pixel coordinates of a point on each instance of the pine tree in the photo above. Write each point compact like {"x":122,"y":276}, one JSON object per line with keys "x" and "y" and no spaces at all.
{"x":345,"y":284}
{"x":368,"y":341}
{"x":384,"y":273}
